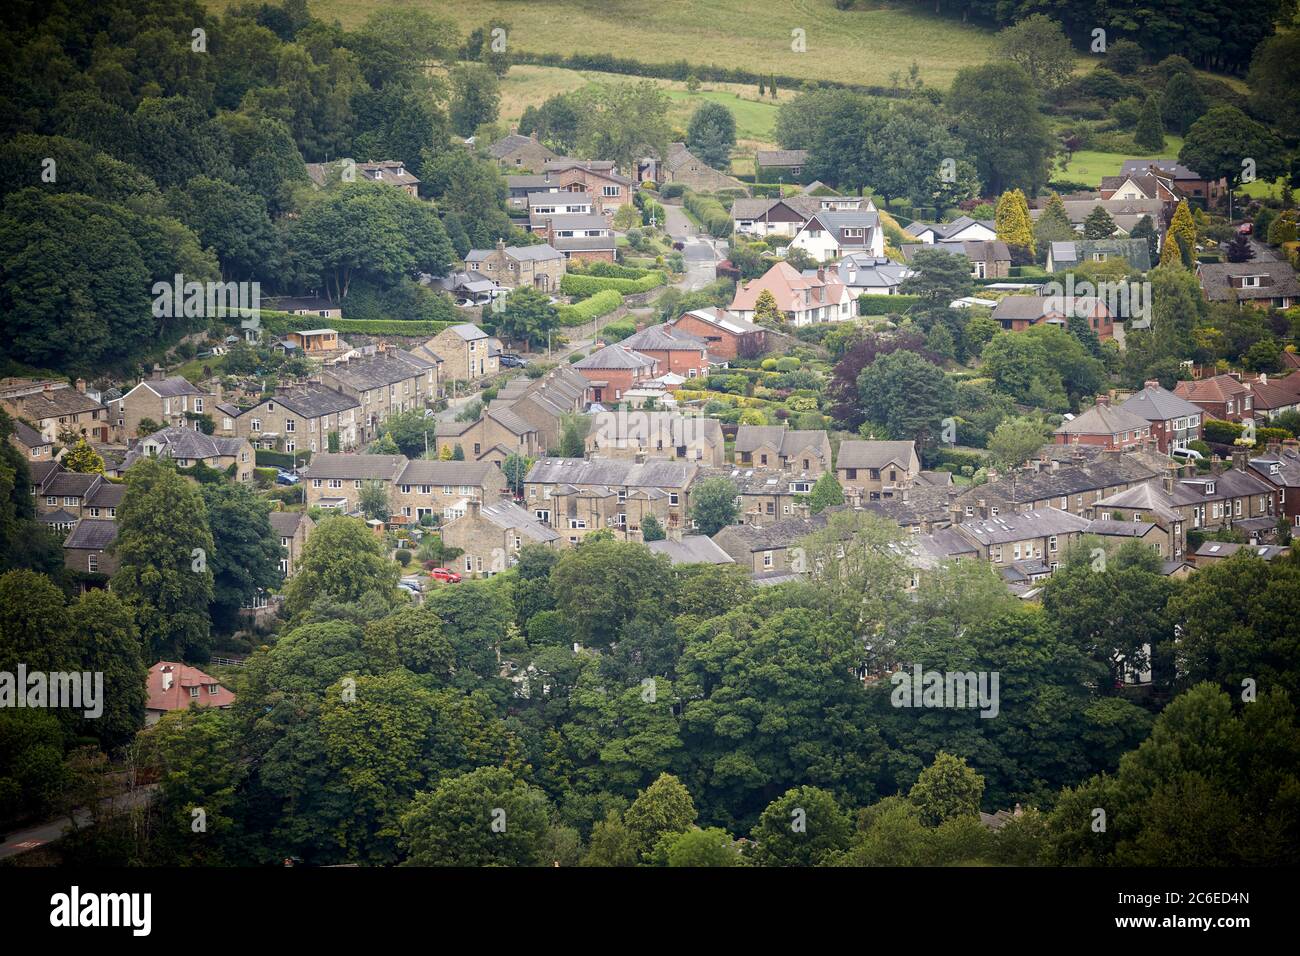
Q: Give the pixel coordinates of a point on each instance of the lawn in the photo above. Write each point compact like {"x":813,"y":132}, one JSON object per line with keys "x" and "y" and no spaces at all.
{"x":856,"y":46}
{"x":1088,"y":166}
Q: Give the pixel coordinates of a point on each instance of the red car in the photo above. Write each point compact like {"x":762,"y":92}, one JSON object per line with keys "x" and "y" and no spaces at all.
{"x":445,"y":574}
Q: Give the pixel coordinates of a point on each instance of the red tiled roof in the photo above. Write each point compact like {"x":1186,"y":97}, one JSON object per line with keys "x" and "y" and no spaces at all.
{"x":1220,"y":388}
{"x":178,"y":696}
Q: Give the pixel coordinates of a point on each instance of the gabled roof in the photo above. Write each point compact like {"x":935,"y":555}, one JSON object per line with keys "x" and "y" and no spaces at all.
{"x":691,"y":549}
{"x":510,"y":517}
{"x":856,"y":453}
{"x":1156,"y":404}
{"x":187,"y":443}
{"x":1103,"y":420}
{"x":781,"y":157}
{"x":616,"y":356}
{"x":724,"y":320}
{"x":178,"y":695}
{"x":788,"y":287}
{"x":285,"y":523}
{"x":510,"y":142}
{"x":426,"y":472}
{"x":1019,"y":525}
{"x":664,"y":338}
{"x":539,"y":252}
{"x":382,"y":467}
{"x":1218,"y":388}
{"x":1215,"y":278}
{"x":90,"y":534}
{"x":173,"y":386}
{"x":1034,"y":307}
{"x":786,"y":441}
{"x":613,"y":473}
{"x":311,"y":401}
{"x":27,"y":436}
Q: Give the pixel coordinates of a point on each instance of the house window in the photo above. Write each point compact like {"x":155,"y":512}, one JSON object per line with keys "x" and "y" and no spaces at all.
{"x":290,"y":425}
{"x":850,"y":473}
{"x":92,"y":562}
{"x":672,"y":498}
{"x":194,"y":692}
{"x":256,"y":424}
{"x":767,"y":559}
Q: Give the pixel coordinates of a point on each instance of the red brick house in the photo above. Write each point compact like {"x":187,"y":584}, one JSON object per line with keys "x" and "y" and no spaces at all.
{"x":726,"y":336}
{"x":1018,"y":312}
{"x":1105,"y":426}
{"x":1279,"y":465}
{"x":616,"y":369}
{"x":1174,"y":421}
{"x":1222,"y":397}
{"x":674,"y":349}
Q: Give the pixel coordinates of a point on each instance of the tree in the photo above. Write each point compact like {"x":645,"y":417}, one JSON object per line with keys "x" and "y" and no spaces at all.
{"x":81,"y":457}
{"x":515,"y":468}
{"x":475,"y":97}
{"x":108,"y":643}
{"x":946,"y":789}
{"x":664,"y":807}
{"x":1183,"y":226}
{"x":603,"y":585}
{"x":486,"y":817}
{"x":713,"y":504}
{"x":1274,"y":77}
{"x":651,"y":529}
{"x":825,"y":493}
{"x":1015,"y":441}
{"x":1218,"y":144}
{"x":1183,"y":103}
{"x":696,"y":847}
{"x":163,"y":548}
{"x":1054,"y":224}
{"x":232,"y":221}
{"x":711,"y":134}
{"x":803,"y":827}
{"x":1098,"y":224}
{"x":766,"y":311}
{"x":623,"y":121}
{"x":573,"y":436}
{"x":246,"y":553}
{"x":1150,"y":132}
{"x":906,"y":396}
{"x":938,"y":277}
{"x":996,"y":110}
{"x":1171,"y":253}
{"x":342,"y":563}
{"x":611,"y":843}
{"x":1040,"y":47}
{"x":1239,"y":249}
{"x":1013,"y":224}
{"x":528,"y":316}
{"x":1146,"y":229}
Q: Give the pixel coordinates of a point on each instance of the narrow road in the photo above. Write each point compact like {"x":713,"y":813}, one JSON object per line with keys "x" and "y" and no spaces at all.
{"x":20,"y":841}
{"x":700,"y":251}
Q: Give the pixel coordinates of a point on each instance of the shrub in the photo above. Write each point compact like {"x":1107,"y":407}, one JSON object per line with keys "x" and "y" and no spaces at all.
{"x":710,"y":212}
{"x":602,"y":303}
{"x":672,"y":191}
{"x":403,"y":557}
{"x":885,"y":304}
{"x":582,"y":286}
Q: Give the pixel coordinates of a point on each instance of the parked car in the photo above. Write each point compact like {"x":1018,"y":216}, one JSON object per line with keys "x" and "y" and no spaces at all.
{"x":445,"y":574}
{"x":283,"y":477}
{"x":1191,"y":454}
{"x":1246,"y":228}
{"x":510,"y":360}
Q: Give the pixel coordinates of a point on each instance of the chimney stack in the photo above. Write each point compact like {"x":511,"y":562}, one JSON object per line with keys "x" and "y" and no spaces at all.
{"x":167,"y":677}
{"x":501,"y":245}
{"x":1103,"y":400}
{"x":81,"y":385}
{"x":1240,"y":456}
{"x":1170,"y":474}
{"x":1151,"y":383}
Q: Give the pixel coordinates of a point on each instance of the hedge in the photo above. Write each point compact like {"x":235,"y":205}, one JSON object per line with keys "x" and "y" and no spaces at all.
{"x":583,"y":285}
{"x":602,"y":303}
{"x":886,"y":304}
{"x":711,"y":214}
{"x":281,"y":322}
{"x":610,"y":270}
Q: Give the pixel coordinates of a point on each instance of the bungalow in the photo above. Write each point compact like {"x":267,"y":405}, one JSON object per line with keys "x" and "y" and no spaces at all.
{"x":1062,"y":256}
{"x":725,"y":335}
{"x":786,"y":216}
{"x":961,"y":229}
{"x":315,"y":305}
{"x":829,"y":235}
{"x":1105,"y":426}
{"x":803,"y":300}
{"x":1174,"y":421}
{"x":1261,"y":284}
{"x":1019,"y":312}
{"x":1221,"y":396}
{"x":683,"y":166}
{"x":790,"y":450}
{"x":616,"y":369}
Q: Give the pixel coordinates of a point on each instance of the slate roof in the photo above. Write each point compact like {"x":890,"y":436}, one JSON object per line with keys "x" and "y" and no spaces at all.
{"x":786,"y":441}
{"x":1287,"y":461}
{"x":91,"y":534}
{"x":1103,"y":420}
{"x":724,"y":320}
{"x":616,"y":356}
{"x":384,"y":467}
{"x":654,"y":473}
{"x":313,"y":401}
{"x":285,"y":523}
{"x":510,"y":517}
{"x":1070,"y":478}
{"x":54,"y":403}
{"x":691,"y":549}
{"x":1214,"y":278}
{"x":187,"y":443}
{"x":29,"y":436}
{"x":664,"y":338}
{"x":425,"y":472}
{"x":857,"y":453}
{"x":173,"y":386}
{"x":772,"y":537}
{"x":1019,"y":525}
{"x":1156,"y":404}
{"x":380,"y":370}
{"x":860,"y":271}
{"x":1226,"y":549}
{"x":540,"y":252}
{"x":781,"y":157}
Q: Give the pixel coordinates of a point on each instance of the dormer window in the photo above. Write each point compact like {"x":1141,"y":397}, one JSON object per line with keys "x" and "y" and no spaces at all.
{"x":1209,"y":487}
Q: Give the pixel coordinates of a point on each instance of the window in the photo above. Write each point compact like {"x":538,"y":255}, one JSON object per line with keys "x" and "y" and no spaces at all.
{"x":290,"y":425}
{"x":315,"y":482}
{"x":256,"y":424}
{"x":767,"y":559}
{"x":1051,"y":543}
{"x":92,"y":562}
{"x":194,"y":691}
{"x":850,"y":473}
{"x":673,"y":498}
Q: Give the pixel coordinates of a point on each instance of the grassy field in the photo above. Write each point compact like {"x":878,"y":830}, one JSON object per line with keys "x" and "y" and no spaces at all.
{"x":855,"y":46}
{"x":1088,"y":166}
{"x":526,"y":86}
